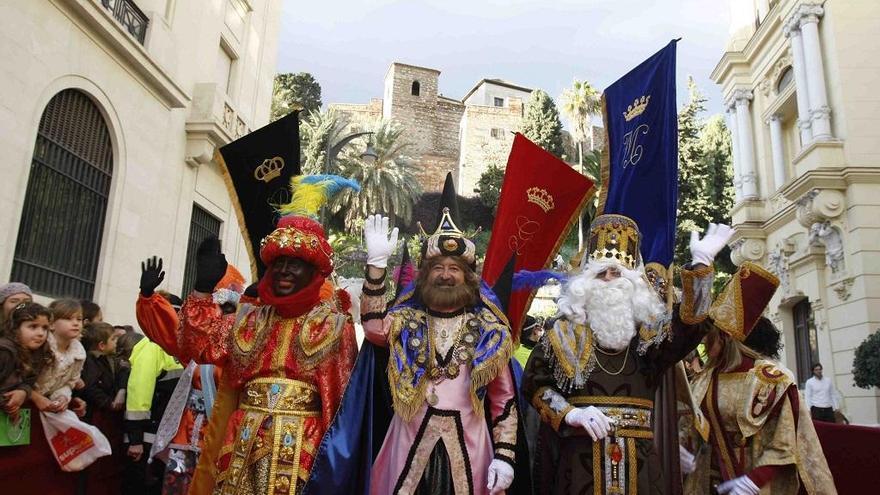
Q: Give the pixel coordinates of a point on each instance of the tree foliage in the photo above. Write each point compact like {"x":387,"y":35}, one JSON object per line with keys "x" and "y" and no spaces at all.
{"x":388,"y":186}
{"x":315,"y":132}
{"x":579,"y":103}
{"x":489,"y":187}
{"x":541,"y":123}
{"x":705,"y":192}
{"x":291,"y":91}
{"x":866,"y":364}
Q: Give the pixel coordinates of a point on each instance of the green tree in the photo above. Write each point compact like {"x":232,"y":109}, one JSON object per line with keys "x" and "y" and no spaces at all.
{"x":579,"y":103}
{"x":541,"y":123}
{"x":388,"y":186}
{"x":315,"y":132}
{"x":705,"y":193}
{"x":489,"y":186}
{"x":291,"y":91}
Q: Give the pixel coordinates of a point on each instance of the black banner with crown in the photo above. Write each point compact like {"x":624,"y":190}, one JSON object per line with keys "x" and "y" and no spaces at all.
{"x":257,"y":169}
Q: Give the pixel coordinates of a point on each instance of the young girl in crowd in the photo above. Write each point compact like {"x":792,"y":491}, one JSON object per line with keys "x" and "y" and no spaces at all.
{"x":31,"y":468}
{"x":24,"y":353}
{"x":54,"y":388}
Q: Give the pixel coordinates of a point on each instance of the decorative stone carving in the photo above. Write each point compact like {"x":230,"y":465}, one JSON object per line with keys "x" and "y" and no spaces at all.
{"x":777,"y":263}
{"x":747,"y":249}
{"x":819,"y":205}
{"x":843,"y":289}
{"x":764,"y":86}
{"x":824,"y":234}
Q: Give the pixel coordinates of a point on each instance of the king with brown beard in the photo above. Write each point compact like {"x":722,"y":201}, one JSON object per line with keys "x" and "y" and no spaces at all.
{"x":593,"y":378}
{"x":453,"y":393}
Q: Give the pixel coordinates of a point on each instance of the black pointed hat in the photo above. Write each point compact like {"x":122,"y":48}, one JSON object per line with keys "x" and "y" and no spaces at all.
{"x":448,"y":239}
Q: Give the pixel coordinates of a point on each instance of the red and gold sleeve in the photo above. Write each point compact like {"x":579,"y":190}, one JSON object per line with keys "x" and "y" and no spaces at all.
{"x":203,"y":334}
{"x":158,"y":319}
{"x":696,"y":293}
{"x":502,"y":404}
{"x":334,"y":371}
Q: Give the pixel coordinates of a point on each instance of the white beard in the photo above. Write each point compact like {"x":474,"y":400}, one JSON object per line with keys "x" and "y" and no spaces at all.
{"x":613,"y":309}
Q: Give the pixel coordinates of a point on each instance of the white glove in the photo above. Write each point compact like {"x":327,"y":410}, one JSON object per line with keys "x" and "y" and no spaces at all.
{"x":598,"y":425}
{"x":704,"y":250}
{"x":686,"y":460}
{"x":739,"y":486}
{"x":500,"y":477}
{"x":379,"y":244}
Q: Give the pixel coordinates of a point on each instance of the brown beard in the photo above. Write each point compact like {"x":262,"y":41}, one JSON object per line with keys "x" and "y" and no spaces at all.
{"x":438,"y":295}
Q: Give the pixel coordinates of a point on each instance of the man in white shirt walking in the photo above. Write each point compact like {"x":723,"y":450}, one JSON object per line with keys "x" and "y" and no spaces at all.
{"x":821,"y":396}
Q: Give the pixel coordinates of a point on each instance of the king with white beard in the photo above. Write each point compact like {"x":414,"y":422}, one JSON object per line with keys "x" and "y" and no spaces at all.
{"x":593,"y":378}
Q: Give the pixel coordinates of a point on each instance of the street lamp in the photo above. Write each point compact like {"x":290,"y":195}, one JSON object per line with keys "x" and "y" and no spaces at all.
{"x":369,"y":155}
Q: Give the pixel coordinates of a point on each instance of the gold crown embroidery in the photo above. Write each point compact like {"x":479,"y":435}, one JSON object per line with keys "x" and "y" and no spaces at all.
{"x":269,"y":169}
{"x":541,"y":198}
{"x":637,"y":108}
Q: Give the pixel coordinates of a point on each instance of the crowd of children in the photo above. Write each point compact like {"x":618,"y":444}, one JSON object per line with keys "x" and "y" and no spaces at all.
{"x":65,"y":358}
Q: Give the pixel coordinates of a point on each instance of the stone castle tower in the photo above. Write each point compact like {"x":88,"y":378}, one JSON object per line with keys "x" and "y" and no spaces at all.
{"x":445,"y":135}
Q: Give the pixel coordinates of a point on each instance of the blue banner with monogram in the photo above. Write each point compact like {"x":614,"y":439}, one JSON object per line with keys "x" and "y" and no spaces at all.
{"x":640,"y":159}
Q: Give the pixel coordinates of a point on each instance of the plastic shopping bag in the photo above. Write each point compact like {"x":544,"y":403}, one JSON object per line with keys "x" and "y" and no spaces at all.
{"x":76,"y":445}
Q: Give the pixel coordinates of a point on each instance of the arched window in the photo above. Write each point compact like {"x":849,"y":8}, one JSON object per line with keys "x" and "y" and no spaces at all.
{"x":784,"y":80}
{"x":62,"y":221}
{"x":416,"y":87}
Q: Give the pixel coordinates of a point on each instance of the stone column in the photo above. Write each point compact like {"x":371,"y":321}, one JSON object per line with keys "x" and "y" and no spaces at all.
{"x":779,"y":175}
{"x":746,"y":146}
{"x":820,"y":112}
{"x":792,"y":31}
{"x":731,"y":124}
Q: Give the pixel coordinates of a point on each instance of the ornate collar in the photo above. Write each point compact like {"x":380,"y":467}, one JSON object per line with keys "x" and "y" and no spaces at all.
{"x":442,"y":314}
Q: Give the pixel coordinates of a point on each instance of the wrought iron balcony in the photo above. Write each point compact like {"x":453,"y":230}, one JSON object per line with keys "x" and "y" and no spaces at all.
{"x":130,"y":16}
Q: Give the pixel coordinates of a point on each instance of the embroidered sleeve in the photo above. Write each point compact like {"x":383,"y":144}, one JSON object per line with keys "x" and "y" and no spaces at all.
{"x":539,"y":386}
{"x":696,"y":297}
{"x":159,"y":321}
{"x":334,"y":370}
{"x":203,"y":334}
{"x":775,"y":444}
{"x":373,"y":298}
{"x":503,"y":409}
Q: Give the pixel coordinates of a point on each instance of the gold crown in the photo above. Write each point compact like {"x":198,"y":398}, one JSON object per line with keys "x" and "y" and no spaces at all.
{"x":269,"y":169}
{"x":637,"y":108}
{"x":615,"y":237}
{"x":541,"y":198}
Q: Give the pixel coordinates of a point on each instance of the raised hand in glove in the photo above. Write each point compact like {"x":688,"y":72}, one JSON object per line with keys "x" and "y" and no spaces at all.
{"x":500,"y":477}
{"x":703,"y":251}
{"x":379,"y":244}
{"x":210,"y":265}
{"x":739,"y":486}
{"x":151,"y":275}
{"x":597,"y":424}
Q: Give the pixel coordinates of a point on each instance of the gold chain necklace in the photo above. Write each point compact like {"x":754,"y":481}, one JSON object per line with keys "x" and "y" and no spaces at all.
{"x":621,"y":366}
{"x":450,"y":370}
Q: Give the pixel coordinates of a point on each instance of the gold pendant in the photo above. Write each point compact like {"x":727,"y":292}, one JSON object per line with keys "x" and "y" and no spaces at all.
{"x":432,"y":399}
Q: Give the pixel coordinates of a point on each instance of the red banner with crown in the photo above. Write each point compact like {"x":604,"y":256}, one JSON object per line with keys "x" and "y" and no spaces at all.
{"x":540,"y":198}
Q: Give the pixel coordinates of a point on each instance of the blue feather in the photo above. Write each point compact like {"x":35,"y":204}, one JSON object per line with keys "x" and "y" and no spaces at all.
{"x":333,"y":183}
{"x":530,"y":280}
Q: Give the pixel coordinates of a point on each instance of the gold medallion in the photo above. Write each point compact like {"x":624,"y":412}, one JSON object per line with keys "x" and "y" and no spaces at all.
{"x":432,"y":399}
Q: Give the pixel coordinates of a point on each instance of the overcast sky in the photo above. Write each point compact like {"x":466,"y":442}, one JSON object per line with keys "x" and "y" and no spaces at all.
{"x":348,"y":44}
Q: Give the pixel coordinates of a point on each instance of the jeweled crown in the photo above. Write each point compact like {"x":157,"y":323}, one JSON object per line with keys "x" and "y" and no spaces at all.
{"x":637,"y":108}
{"x":615,"y":237}
{"x":541,"y":198}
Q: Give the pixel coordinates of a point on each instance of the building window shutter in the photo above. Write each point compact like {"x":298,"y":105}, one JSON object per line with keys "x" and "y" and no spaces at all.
{"x":62,"y":220}
{"x":202,"y":225}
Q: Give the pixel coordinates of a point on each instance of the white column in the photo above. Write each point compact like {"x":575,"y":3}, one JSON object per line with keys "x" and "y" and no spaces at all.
{"x":820,"y":112}
{"x":746,"y":144}
{"x":734,"y":145}
{"x":792,"y":31}
{"x":779,"y":175}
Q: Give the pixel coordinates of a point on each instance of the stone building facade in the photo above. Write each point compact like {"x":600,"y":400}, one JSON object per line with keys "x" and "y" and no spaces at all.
{"x":445,"y":135}
{"x":111,"y":116}
{"x":799,"y":78}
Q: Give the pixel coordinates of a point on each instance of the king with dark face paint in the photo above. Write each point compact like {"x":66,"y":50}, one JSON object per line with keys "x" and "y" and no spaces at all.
{"x":290,"y":274}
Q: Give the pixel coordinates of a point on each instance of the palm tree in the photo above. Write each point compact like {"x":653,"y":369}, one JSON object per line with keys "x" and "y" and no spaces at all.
{"x":579,"y":103}
{"x":388,"y":186}
{"x":315,"y":131}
